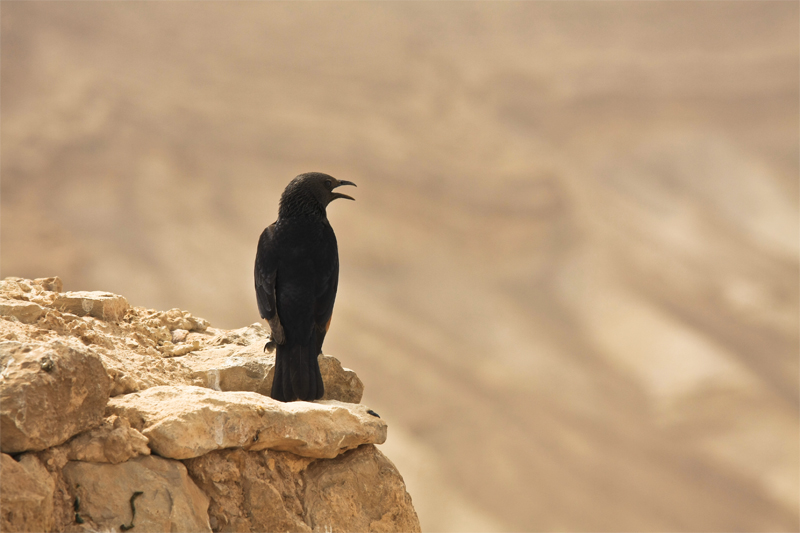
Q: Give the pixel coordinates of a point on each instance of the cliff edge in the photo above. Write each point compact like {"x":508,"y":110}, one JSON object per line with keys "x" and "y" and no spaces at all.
{"x":115,"y":417}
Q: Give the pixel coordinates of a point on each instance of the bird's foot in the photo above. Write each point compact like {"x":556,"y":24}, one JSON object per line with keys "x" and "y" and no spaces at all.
{"x":270,"y":346}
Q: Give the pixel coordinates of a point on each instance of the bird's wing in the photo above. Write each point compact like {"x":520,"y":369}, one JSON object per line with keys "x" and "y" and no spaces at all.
{"x":266,"y":272}
{"x":326,"y":297}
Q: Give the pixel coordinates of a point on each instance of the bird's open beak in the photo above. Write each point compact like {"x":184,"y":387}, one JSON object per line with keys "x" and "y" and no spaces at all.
{"x":340,"y":195}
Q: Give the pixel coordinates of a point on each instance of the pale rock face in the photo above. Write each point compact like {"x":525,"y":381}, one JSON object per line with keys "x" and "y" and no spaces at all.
{"x":360,"y":490}
{"x":338,"y":499}
{"x":27,"y":289}
{"x":340,"y":383}
{"x":177,"y":319}
{"x":26,"y":495}
{"x":170,"y":501}
{"x":186,"y":421}
{"x":226,"y":368}
{"x":266,"y":484}
{"x":115,"y":441}
{"x":248,"y":368}
{"x":48,"y":393}
{"x":26,"y":312}
{"x":253,"y":334}
{"x":53,"y":284}
{"x":102,"y":305}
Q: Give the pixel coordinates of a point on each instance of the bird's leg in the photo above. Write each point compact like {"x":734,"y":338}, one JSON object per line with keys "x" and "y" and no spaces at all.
{"x":276,"y":336}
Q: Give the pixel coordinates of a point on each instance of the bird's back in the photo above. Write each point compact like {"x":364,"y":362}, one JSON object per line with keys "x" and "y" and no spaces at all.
{"x":307,"y":261}
{"x":305,"y":290}
{"x":296,"y":278}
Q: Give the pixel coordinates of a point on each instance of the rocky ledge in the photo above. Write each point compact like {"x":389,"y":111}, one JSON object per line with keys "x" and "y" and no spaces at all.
{"x":115,"y":417}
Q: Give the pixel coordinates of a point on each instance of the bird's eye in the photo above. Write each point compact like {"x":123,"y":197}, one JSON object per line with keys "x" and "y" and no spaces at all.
{"x":328,"y":183}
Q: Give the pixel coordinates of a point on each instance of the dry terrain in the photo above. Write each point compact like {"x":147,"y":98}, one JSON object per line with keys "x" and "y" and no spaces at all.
{"x":569,"y":281}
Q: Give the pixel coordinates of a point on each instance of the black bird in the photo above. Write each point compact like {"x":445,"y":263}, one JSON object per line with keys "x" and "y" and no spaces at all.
{"x":296,"y":274}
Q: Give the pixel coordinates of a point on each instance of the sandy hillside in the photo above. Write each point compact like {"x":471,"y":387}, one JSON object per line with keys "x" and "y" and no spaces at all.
{"x":570,"y":278}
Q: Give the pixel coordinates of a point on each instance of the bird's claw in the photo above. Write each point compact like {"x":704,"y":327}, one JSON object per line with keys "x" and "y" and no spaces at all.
{"x":270,"y":346}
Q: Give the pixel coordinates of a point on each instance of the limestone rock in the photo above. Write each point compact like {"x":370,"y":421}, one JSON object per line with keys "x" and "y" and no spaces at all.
{"x":113,"y":442}
{"x":359,"y":491}
{"x":54,"y":460}
{"x":176,"y":319}
{"x":53,"y":284}
{"x":26,"y":495}
{"x":186,"y":421}
{"x":179,"y":335}
{"x":48,"y":393}
{"x":27,"y":312}
{"x":40,"y":291}
{"x":233,"y":368}
{"x":340,"y":383}
{"x":227,"y":369}
{"x":170,"y":501}
{"x":132,"y":371}
{"x":12,"y":286}
{"x":102,"y":305}
{"x":253,"y":334}
{"x":252,"y":491}
{"x":265,"y":465}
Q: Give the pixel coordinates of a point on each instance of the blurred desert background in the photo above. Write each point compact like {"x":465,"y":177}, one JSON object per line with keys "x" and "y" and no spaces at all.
{"x":570,"y":277}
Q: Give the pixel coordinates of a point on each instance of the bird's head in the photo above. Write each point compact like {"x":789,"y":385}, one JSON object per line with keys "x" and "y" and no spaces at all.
{"x":311,"y":191}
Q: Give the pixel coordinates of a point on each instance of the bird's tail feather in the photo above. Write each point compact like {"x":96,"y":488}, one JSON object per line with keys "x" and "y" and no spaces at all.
{"x":297,"y":373}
